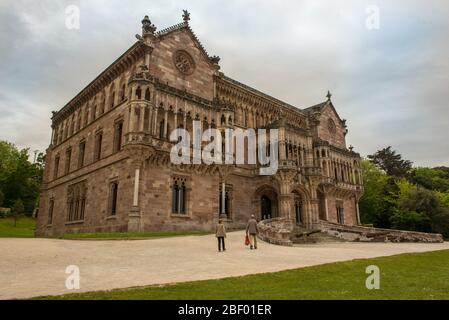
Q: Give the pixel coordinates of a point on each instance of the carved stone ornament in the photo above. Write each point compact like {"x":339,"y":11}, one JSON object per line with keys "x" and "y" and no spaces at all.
{"x":331,"y":126}
{"x":184,"y":62}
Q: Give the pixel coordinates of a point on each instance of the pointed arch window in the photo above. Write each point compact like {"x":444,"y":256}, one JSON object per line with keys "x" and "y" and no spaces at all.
{"x":147,"y":95}
{"x":76,"y":202}
{"x":227,"y":210}
{"x":179,"y":196}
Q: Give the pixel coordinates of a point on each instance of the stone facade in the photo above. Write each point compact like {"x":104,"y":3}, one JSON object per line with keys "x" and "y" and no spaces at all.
{"x":108,"y":166}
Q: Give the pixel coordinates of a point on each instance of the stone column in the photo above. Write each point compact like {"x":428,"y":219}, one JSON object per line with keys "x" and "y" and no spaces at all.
{"x":132,"y":116}
{"x":165,"y":124}
{"x":52,"y":142}
{"x":286,"y":198}
{"x":176,"y":120}
{"x":282,"y":154}
{"x":326,"y":207}
{"x":142,"y":118}
{"x":136,"y":187}
{"x":155,"y":124}
{"x":134,"y":218}
{"x":223,"y":198}
{"x":150,"y":119}
{"x":138,"y":155}
{"x":359,"y":222}
{"x":313,"y":214}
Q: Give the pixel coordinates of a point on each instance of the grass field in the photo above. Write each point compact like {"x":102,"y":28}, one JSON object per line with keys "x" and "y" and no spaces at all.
{"x":25,"y":228}
{"x":406,"y":276}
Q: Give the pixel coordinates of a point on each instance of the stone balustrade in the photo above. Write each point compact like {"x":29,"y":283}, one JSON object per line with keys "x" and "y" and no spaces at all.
{"x":276,"y":231}
{"x":370,"y":234}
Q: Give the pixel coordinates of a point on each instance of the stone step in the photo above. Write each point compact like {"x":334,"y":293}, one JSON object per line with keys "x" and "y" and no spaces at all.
{"x":314,"y":237}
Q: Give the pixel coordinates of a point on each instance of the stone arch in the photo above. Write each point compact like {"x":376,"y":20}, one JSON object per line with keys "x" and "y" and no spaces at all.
{"x":265,"y":202}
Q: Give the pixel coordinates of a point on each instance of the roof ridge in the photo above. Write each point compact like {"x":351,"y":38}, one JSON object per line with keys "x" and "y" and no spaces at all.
{"x":171,"y":28}
{"x":249,"y":88}
{"x":179,"y":26}
{"x":321,"y":104}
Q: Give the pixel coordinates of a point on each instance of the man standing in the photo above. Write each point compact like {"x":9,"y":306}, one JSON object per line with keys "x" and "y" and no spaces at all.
{"x":252,"y":230}
{"x":220,"y":233}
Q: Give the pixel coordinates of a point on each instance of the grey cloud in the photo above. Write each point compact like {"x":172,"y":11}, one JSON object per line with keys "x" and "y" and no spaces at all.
{"x":390,"y":84}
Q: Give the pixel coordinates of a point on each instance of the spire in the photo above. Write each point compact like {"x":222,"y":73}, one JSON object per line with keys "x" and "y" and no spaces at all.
{"x":329,"y":95}
{"x":185,"y":16}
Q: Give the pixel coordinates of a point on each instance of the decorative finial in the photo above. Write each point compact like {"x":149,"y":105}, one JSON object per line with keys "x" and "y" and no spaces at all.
{"x":351,"y":148}
{"x":185,"y":16}
{"x":147,"y":26}
{"x":215,"y":59}
{"x":329,"y":95}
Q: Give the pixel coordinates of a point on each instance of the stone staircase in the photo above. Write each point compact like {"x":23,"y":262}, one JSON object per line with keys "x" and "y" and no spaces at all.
{"x":284,"y":232}
{"x":302,"y":236}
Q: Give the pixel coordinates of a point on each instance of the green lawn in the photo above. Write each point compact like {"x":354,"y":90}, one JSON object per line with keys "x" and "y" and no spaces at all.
{"x":24,"y":229}
{"x":131,"y":235}
{"x":406,"y":276}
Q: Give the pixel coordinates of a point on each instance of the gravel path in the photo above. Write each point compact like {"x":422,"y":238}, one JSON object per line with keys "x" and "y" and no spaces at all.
{"x":36,"y":267}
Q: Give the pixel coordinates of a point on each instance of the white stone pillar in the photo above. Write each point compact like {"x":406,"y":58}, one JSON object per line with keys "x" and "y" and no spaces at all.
{"x":326,"y":208}
{"x":223,"y":197}
{"x":52,"y":136}
{"x":358,"y":212}
{"x":136,"y":188}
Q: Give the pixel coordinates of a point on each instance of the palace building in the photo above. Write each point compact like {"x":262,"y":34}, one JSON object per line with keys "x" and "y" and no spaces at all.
{"x":108,"y":165}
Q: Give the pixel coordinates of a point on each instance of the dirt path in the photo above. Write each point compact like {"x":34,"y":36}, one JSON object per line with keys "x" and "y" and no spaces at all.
{"x":36,"y":267}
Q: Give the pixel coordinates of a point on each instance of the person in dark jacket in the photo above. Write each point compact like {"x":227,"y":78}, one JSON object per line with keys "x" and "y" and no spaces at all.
{"x":220,"y":233}
{"x":252,"y":230}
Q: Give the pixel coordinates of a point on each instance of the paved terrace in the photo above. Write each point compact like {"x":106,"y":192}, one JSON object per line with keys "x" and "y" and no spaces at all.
{"x":36,"y":267}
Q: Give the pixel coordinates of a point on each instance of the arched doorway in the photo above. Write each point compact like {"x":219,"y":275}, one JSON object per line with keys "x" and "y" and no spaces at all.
{"x":265,"y":202}
{"x":298,"y":208}
{"x":265,"y":208}
{"x":322,"y":205}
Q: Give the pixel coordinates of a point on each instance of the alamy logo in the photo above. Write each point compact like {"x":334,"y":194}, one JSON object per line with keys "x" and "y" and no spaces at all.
{"x":72,"y":282}
{"x":373,"y":280}
{"x":72,"y":20}
{"x":226,"y":147}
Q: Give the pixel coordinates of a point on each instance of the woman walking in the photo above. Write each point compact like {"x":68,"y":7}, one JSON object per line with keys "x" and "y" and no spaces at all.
{"x":220,"y":233}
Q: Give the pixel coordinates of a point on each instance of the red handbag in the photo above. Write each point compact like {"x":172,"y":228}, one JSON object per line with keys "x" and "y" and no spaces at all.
{"x":247,"y":241}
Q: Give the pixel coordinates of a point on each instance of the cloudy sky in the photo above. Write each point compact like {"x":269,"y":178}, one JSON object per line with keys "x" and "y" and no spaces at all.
{"x":390,"y":83}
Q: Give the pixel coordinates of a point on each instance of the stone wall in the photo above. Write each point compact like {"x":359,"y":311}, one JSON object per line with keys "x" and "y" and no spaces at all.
{"x":276,"y":231}
{"x":369,"y":234}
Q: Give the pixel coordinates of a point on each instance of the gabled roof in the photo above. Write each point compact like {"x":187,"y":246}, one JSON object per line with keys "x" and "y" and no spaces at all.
{"x":316,"y":108}
{"x":260,"y":93}
{"x":180,"y":26}
{"x":320,"y":106}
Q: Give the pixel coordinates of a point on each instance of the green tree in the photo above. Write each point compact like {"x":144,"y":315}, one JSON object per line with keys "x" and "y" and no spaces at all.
{"x":433,"y":179}
{"x":427,"y":203}
{"x":409,"y":220}
{"x":376,"y":203}
{"x":17,"y":210}
{"x":391,"y":162}
{"x":19,"y":178}
{"x":2,"y":198}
